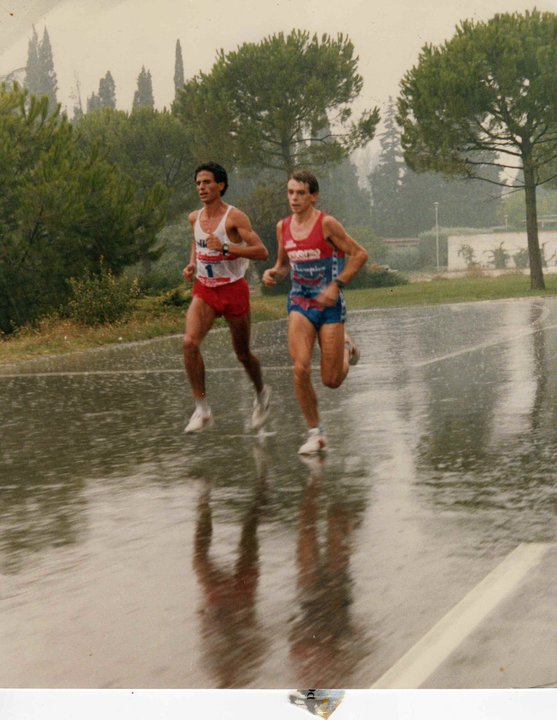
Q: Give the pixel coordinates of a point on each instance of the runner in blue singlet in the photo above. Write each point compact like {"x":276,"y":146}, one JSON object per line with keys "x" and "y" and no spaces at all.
{"x":313,"y":246}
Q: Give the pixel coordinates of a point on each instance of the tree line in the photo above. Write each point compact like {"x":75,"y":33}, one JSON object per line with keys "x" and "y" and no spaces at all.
{"x":95,"y":191}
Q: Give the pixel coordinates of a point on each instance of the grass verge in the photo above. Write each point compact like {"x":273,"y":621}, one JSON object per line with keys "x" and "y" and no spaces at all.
{"x":454,"y":290}
{"x":151,"y":318}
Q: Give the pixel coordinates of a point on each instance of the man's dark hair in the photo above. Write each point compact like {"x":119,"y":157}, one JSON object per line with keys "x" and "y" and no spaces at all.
{"x":307,"y":177}
{"x":219,"y":173}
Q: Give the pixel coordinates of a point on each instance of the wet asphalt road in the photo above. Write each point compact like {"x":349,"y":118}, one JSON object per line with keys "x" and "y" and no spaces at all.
{"x":132,"y":555}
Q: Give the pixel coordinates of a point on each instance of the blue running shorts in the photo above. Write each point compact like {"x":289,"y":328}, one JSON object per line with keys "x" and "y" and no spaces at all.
{"x":317,"y":315}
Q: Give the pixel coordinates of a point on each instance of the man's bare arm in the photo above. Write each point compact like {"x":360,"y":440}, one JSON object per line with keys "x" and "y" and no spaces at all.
{"x":189,"y":271}
{"x":282,"y":265}
{"x":357,"y":258}
{"x":239,"y":226}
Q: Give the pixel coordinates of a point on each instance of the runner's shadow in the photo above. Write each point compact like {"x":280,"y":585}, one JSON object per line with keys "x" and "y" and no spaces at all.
{"x":232,"y":638}
{"x":325,"y":643}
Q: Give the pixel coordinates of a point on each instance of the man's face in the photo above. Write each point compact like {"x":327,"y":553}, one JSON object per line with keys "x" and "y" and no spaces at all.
{"x":207,"y":187}
{"x":299,"y":196}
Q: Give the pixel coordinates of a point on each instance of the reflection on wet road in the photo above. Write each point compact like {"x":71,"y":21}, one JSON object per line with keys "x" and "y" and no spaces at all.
{"x":132,"y":555}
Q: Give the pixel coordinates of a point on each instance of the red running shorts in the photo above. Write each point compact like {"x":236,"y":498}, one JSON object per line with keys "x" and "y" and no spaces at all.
{"x":229,"y":300}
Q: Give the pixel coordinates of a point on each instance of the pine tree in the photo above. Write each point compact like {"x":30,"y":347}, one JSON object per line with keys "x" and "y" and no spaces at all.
{"x":63,"y":207}
{"x":178,"y":69}
{"x":143,"y":97}
{"x":489,"y":89}
{"x":268,"y":99}
{"x":48,"y":81}
{"x":107,"y":91}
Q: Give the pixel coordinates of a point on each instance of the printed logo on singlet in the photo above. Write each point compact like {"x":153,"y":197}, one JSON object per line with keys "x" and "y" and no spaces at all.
{"x":304,"y":255}
{"x":295,"y":255}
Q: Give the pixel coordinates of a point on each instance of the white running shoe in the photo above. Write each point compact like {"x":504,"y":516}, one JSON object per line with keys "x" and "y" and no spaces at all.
{"x":353,"y":352}
{"x":199,"y":420}
{"x":261,"y":408}
{"x":315,"y":443}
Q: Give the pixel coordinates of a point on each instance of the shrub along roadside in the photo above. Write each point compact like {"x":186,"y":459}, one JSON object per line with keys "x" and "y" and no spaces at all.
{"x":377,"y":276}
{"x":101,"y":299}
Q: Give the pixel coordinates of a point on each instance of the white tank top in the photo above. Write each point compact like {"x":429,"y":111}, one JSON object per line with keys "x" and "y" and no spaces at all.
{"x":214,"y":268}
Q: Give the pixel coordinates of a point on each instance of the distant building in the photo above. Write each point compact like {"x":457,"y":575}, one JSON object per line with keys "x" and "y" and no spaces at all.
{"x":500,"y":250}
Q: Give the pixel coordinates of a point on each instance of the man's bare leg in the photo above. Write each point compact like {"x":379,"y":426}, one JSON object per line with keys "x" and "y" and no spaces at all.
{"x":334,"y":354}
{"x":240,"y":331}
{"x":199,"y":320}
{"x":301,"y":340}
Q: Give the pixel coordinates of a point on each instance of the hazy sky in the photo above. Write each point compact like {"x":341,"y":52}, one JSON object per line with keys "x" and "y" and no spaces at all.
{"x":90,"y":37}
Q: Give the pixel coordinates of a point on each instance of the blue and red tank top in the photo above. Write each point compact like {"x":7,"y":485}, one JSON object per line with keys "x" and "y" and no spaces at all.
{"x":314,"y":262}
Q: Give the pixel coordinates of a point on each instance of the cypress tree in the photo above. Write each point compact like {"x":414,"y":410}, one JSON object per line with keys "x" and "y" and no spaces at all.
{"x":386,"y":179}
{"x":32,"y":68}
{"x":107,"y":91}
{"x":40,"y":77}
{"x":75,"y":95}
{"x":178,"y":69}
{"x":48,"y":81}
{"x":106,"y":95}
{"x":143,"y":97}
{"x":93,"y":103}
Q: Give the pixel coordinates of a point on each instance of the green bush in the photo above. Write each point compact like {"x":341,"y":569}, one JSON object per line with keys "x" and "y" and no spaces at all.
{"x":164,"y":273}
{"x":427,"y":248}
{"x":102,"y":298}
{"x":468,"y":253}
{"x":377,"y":248}
{"x":403,"y":258}
{"x":498,"y":256}
{"x":160,"y":279}
{"x":376,"y":275}
{"x":177,"y":297}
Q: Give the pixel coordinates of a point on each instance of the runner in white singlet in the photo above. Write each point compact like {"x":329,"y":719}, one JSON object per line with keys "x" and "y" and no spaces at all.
{"x":214,"y":268}
{"x":224,"y":243}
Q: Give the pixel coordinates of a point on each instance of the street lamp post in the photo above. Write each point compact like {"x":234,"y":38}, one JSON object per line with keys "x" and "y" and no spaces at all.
{"x":436,"y":206}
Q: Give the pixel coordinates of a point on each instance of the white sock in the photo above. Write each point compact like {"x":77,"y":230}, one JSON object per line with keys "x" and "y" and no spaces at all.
{"x":315,"y":431}
{"x":203,"y":405}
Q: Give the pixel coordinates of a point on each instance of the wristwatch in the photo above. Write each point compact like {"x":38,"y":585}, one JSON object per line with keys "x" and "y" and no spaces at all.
{"x":339,"y":283}
{"x":225,"y":248}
